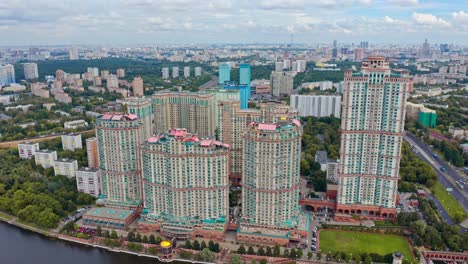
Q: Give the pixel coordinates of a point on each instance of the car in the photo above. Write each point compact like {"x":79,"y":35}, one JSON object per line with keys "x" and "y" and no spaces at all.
{"x":442,"y":168}
{"x":314,"y":239}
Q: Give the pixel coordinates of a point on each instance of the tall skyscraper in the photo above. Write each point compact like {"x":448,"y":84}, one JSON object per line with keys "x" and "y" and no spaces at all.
{"x":193,"y":111}
{"x":119,"y":137}
{"x":138,"y":86}
{"x":143,"y":109}
{"x":30,"y":71}
{"x":278,"y":66}
{"x":73,"y":54}
{"x":358,"y":54}
{"x":224,"y":74}
{"x":112,"y":81}
{"x":186,"y":186}
{"x":372,"y":127}
{"x":7,"y":74}
{"x":244,"y":74}
{"x":94,"y":71}
{"x":281,"y":83}
{"x":425,"y":51}
{"x":270,"y":180}
{"x":120,"y":73}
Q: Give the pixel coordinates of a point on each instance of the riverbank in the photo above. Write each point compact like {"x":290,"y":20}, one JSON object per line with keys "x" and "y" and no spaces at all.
{"x":11,"y":220}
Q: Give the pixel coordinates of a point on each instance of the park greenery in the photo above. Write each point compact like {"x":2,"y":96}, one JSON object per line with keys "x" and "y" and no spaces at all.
{"x":363,"y":244}
{"x":319,"y":134}
{"x":274,"y":251}
{"x":450,"y":204}
{"x":414,"y":171}
{"x":34,"y":194}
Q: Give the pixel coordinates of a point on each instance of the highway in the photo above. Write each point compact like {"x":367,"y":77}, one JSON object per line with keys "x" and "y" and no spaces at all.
{"x":448,"y":177}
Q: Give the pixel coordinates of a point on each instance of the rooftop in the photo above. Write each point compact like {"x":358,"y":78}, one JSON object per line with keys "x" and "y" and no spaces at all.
{"x":65,"y":160}
{"x":111,"y":213}
{"x":321,"y":157}
{"x":88,"y":169}
{"x":182,"y":135}
{"x":118,"y":117}
{"x":45,"y":151}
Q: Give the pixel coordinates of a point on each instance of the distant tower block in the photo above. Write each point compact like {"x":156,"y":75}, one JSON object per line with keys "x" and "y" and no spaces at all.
{"x":397,"y":258}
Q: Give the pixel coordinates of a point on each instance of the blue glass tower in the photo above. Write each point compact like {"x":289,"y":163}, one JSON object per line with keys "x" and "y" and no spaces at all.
{"x":244,"y":76}
{"x":224,"y":73}
{"x":244,"y":93}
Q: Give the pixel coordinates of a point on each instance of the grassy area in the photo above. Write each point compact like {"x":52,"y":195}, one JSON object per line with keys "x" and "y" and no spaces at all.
{"x":450,"y":204}
{"x":6,"y":216}
{"x":360,"y":242}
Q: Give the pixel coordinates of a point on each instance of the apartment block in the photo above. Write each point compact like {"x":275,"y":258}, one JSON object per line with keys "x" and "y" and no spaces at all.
{"x":71,"y":141}
{"x":27,"y":149}
{"x":46,"y":158}
{"x":66,"y":167}
{"x":88,"y":180}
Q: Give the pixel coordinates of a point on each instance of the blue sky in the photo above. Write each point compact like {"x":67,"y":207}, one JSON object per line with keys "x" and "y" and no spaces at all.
{"x":120,"y":22}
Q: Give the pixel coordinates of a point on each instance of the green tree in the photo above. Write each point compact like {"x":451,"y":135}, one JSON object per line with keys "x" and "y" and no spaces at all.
{"x":203,"y":245}
{"x":131,"y":236}
{"x":309,"y":255}
{"x":357,"y":259}
{"x":211,"y":245}
{"x":99,"y":231}
{"x":293,"y":253}
{"x":286,"y":253}
{"x":241,"y":250}
{"x":152,"y":239}
{"x":207,"y":255}
{"x":263,"y":261}
{"x":145,"y":239}
{"x":235,"y":259}
{"x":276,"y":251}
{"x":251,"y":251}
{"x":196,"y":245}
{"x":114,"y":235}
{"x":268,"y":252}
{"x":188,"y":244}
{"x":368,"y":260}
{"x":300,"y":253}
{"x":138,"y":238}
{"x":106,"y":234}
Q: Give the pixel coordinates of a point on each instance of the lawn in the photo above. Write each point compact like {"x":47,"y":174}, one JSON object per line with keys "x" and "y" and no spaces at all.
{"x":450,"y":204}
{"x":360,"y":242}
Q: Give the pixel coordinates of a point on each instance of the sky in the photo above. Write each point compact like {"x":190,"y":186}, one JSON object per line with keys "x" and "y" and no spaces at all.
{"x":123,"y":22}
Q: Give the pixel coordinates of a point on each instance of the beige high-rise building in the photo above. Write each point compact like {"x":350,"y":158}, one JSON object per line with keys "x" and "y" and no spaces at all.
{"x":120,"y":73}
{"x":92,"y":152}
{"x":233,"y":122}
{"x":281,"y":83}
{"x":372,"y":126}
{"x":138,"y":86}
{"x":30,"y":71}
{"x":104,"y":74}
{"x":119,"y":137}
{"x":186,"y":184}
{"x":142,"y":107}
{"x":97,"y":80}
{"x":193,"y":111}
{"x":112,"y":81}
{"x":73,"y":54}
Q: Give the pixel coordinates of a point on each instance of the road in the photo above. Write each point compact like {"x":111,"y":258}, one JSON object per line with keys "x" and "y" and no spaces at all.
{"x":212,"y":83}
{"x":14,"y":143}
{"x":447,"y":178}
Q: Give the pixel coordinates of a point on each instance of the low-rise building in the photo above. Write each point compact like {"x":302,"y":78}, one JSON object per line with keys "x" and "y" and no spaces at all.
{"x":75,"y":124}
{"x":322,"y":157}
{"x":88,"y":180}
{"x":66,"y":167}
{"x":110,"y":217}
{"x":27,"y":149}
{"x":46,"y":158}
{"x":332,"y":171}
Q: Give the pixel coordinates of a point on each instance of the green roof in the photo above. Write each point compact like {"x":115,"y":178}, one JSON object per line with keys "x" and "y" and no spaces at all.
{"x":110,"y":213}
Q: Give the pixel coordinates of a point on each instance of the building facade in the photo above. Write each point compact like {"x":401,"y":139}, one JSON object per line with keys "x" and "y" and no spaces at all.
{"x":27,"y":149}
{"x":175,"y":72}
{"x":72,"y":141}
{"x":317,"y":105}
{"x":142,"y":108}
{"x":30,"y":71}
{"x":7,"y":74}
{"x":165,"y":73}
{"x":270,"y":186}
{"x":281,"y":83}
{"x":224,"y":74}
{"x":138,"y":86}
{"x":92,"y":152}
{"x":198,"y":71}
{"x":88,"y":180}
{"x":46,"y":158}
{"x":186,"y":184}
{"x":119,"y":136}
{"x":65,"y":167}
{"x":193,"y":111}
{"x":372,"y":127}
{"x":186,"y":72}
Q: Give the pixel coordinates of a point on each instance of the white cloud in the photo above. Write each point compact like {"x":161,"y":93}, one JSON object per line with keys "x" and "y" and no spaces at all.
{"x":404,"y":2}
{"x":460,"y":16}
{"x":429,"y":20}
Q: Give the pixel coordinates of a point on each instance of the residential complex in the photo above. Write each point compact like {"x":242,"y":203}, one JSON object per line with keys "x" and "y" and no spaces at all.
{"x":373,"y":115}
{"x":418,"y":112}
{"x":138,"y":86}
{"x":27,"y":149}
{"x":7,"y":74}
{"x":142,"y":108}
{"x":45,"y":158}
{"x":317,"y":105}
{"x":119,"y":136}
{"x":270,"y":187}
{"x":71,"y":141}
{"x":281,"y":83}
{"x":186,"y":186}
{"x":193,"y":111}
{"x":88,"y":180}
{"x":92,"y":152}
{"x":65,"y":167}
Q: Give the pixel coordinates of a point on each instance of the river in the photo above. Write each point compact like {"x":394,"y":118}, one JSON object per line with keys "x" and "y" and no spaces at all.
{"x":19,"y":246}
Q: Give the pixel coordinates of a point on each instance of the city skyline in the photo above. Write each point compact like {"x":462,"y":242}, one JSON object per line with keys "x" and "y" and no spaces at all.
{"x":279,"y":21}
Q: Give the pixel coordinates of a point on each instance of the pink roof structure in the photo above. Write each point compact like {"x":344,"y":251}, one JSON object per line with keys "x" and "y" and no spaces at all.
{"x":153,"y":139}
{"x":296,"y":122}
{"x":269,"y":127}
{"x":131,"y":116}
{"x":116,"y":117}
{"x":205,"y":142}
